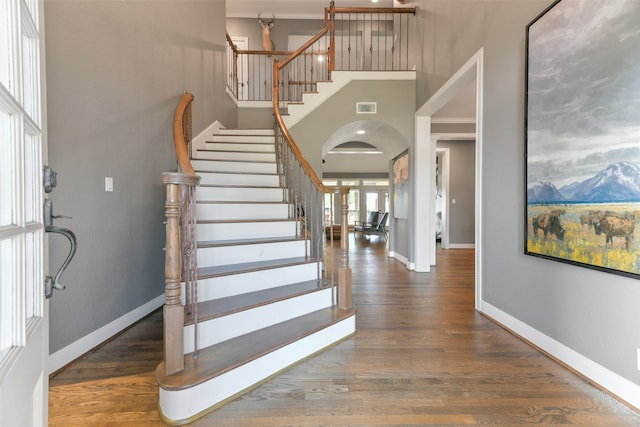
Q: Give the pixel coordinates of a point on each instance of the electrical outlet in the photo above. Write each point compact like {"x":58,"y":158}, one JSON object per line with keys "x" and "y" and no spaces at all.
{"x":638,"y":360}
{"x":108,"y":184}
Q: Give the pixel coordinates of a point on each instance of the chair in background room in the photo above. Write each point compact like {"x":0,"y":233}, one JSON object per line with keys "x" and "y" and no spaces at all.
{"x":378,"y":230}
{"x":372,"y":221}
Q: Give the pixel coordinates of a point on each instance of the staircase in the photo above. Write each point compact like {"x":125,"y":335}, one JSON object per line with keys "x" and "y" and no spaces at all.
{"x":263,"y":303}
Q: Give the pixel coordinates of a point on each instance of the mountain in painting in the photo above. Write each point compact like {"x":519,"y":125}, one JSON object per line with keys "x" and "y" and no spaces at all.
{"x":543,"y":192}
{"x":618,"y":182}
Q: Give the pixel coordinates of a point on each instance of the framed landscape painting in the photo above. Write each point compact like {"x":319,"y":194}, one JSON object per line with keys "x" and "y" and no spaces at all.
{"x":582,"y":133}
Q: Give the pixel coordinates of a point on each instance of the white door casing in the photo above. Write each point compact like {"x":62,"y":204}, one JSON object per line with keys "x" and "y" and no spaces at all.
{"x":242,"y":43}
{"x":23,"y":308}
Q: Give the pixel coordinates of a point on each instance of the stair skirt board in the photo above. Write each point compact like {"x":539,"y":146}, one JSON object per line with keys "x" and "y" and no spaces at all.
{"x":246,"y":230}
{"x":238,"y":254}
{"x":241,"y":211}
{"x":178,"y":407}
{"x":236,"y":284}
{"x":238,"y":166}
{"x":220,"y":329}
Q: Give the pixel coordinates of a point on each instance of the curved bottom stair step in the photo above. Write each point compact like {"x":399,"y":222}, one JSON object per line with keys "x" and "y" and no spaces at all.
{"x":228,"y":369}
{"x":224,"y":306}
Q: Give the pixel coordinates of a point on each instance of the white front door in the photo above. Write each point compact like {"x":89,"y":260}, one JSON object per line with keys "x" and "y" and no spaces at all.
{"x":23,"y":308}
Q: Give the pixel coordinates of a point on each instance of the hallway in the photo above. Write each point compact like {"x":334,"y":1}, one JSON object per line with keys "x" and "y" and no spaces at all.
{"x":421,"y":356}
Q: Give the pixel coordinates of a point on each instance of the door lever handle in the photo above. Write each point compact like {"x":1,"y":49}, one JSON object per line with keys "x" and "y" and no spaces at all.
{"x":52,"y":283}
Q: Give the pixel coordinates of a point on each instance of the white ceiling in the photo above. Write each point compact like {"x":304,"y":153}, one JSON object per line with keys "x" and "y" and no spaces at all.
{"x":293,"y":9}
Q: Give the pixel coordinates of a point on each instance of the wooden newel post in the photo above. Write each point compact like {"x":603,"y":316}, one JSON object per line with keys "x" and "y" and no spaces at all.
{"x":173,"y":311}
{"x":344,"y":271}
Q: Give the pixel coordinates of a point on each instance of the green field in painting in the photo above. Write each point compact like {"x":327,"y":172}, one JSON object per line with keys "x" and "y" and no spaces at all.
{"x":581,"y":244}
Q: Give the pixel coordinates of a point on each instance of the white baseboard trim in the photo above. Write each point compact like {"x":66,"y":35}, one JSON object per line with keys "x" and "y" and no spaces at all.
{"x":71,"y":352}
{"x":402,"y":259}
{"x":461,"y":246}
{"x":615,"y":384}
{"x":198,"y":142}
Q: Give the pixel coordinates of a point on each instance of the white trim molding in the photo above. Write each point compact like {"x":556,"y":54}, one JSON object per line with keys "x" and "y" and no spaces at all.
{"x":608,"y":380}
{"x":63,"y":357}
{"x":200,"y":140}
{"x":401,"y":258}
{"x":453,"y":120}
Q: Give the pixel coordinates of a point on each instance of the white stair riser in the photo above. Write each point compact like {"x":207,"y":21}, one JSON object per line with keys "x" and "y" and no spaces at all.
{"x":243,"y":146}
{"x":243,"y":167}
{"x":214,"y":331}
{"x":238,"y":194}
{"x":242,"y":139}
{"x":236,"y":156}
{"x":245,"y":132}
{"x":236,"y":284}
{"x":214,"y":178}
{"x":181,"y":405}
{"x":246,"y":230}
{"x":238,"y":254}
{"x":241,"y":211}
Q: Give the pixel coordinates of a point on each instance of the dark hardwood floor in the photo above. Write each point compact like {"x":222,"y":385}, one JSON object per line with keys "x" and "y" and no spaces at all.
{"x":421,"y":356}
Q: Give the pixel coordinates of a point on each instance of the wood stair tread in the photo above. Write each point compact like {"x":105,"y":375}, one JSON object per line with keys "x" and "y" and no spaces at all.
{"x":252,"y":241}
{"x":222,"y":140}
{"x":197,"y":171}
{"x":248,"y":221}
{"x":225,"y":270}
{"x":212,"y":150}
{"x":246,"y":131}
{"x":224,"y":306}
{"x":240,"y":202}
{"x":241,"y":186}
{"x":231,"y":160}
{"x":218,"y":359}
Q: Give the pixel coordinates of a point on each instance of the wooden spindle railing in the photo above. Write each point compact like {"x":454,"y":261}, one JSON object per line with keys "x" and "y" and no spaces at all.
{"x":180,"y":245}
{"x":352,"y":39}
{"x":302,"y":181}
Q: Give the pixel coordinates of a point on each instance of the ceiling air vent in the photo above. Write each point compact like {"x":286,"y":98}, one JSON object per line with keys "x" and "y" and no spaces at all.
{"x":366,"y":107}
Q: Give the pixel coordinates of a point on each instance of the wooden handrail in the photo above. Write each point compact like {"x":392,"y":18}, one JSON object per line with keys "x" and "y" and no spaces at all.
{"x":183,"y":111}
{"x":231,"y":43}
{"x":263,"y":52}
{"x":305,"y":46}
{"x":329,"y":13}
{"x":287,"y":136}
{"x":311,"y":41}
{"x":411,"y":10}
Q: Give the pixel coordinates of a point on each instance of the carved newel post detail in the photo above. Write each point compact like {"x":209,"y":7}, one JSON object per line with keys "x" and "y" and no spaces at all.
{"x":344,"y":271}
{"x":173,"y":311}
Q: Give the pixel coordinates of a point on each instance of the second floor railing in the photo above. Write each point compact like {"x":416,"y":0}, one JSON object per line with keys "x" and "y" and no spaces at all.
{"x":352,"y":39}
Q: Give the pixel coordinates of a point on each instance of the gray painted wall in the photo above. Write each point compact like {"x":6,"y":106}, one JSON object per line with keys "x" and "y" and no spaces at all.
{"x":462,"y":180}
{"x":591,"y":312}
{"x":255,"y":118}
{"x":115,"y":71}
{"x":246,"y":27}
